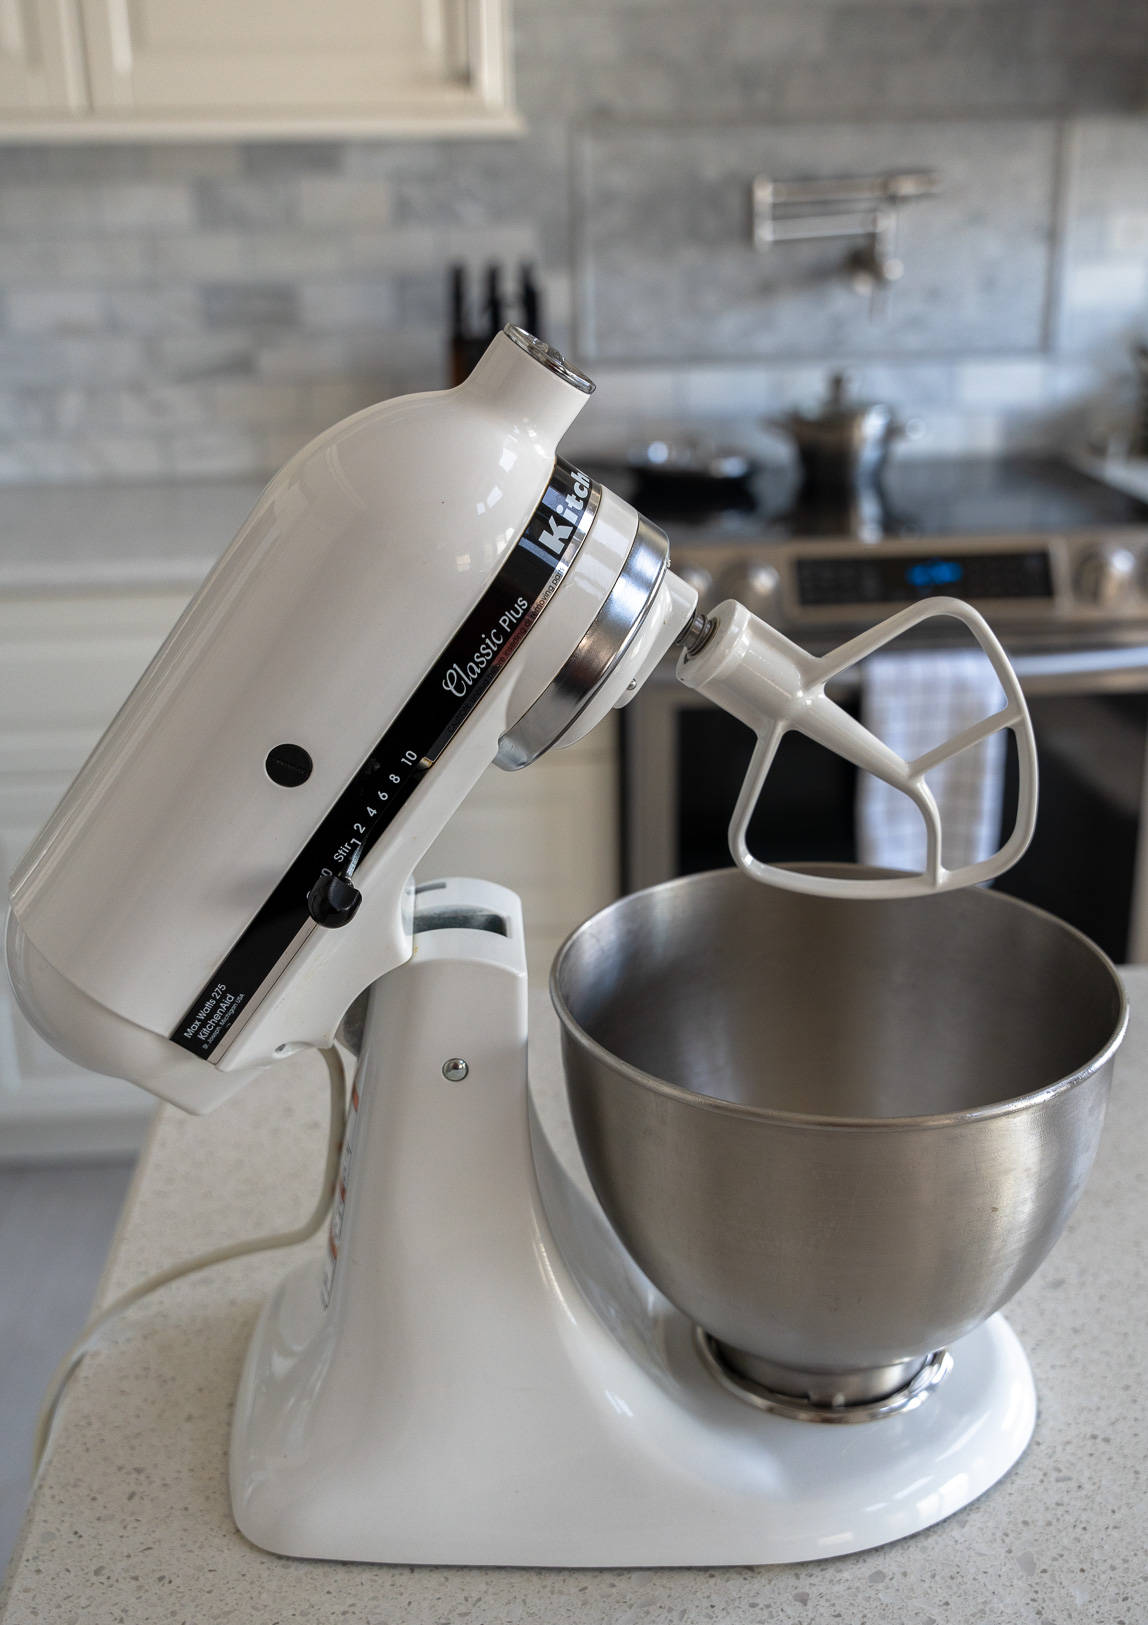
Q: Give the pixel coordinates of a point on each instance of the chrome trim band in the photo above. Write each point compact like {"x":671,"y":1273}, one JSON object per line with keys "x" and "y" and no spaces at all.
{"x":603,"y":645}
{"x":935,"y":1369}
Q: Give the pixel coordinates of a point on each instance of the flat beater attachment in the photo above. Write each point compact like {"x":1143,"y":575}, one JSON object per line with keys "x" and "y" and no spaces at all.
{"x":756,"y":674}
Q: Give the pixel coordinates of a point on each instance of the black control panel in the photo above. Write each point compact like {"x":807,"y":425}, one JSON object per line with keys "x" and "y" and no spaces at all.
{"x":887,"y":579}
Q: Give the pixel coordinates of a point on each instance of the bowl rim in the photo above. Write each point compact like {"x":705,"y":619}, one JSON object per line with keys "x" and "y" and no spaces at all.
{"x":1013,"y":1106}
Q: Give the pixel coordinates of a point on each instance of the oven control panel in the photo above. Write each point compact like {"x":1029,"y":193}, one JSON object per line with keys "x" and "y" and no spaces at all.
{"x":878,"y":578}
{"x":1035,"y":584}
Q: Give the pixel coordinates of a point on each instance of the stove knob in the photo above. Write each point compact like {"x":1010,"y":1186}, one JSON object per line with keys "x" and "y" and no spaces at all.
{"x":694,"y":576}
{"x":754,"y":584}
{"x":1103,"y":575}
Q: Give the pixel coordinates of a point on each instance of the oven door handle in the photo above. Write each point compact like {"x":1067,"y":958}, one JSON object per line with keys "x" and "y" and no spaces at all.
{"x":1066,"y":671}
{"x":1083,"y":671}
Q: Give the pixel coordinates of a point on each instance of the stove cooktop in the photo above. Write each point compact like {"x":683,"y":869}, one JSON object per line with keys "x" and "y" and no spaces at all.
{"x":1050,"y":554}
{"x":917,"y":497}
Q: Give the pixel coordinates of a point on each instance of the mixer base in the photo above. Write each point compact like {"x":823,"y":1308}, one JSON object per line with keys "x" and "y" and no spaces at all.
{"x":489,"y":1379}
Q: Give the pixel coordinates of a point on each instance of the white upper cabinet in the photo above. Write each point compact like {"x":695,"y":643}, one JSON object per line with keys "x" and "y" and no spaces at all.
{"x":274,"y":68}
{"x":41,"y":67}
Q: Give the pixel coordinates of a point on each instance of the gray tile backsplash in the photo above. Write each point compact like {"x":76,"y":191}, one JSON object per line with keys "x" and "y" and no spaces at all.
{"x":207,"y":308}
{"x":669,"y":269}
{"x":1105,"y":245}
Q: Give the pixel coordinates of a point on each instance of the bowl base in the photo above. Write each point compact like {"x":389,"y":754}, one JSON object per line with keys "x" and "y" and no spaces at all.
{"x":810,"y":1396}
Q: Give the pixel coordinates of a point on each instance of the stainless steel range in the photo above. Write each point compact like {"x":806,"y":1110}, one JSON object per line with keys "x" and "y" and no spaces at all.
{"x":1057,"y":561}
{"x":1053,"y":556}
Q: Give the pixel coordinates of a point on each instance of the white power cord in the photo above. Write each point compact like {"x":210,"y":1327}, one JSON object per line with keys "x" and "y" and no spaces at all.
{"x":288,"y":1238}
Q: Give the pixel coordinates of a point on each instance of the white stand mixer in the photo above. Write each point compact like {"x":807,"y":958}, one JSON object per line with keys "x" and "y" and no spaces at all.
{"x":481,"y":1375}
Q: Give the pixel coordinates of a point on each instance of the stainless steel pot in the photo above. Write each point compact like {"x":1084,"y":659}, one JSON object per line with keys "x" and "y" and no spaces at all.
{"x":845,"y":445}
{"x":837,"y":1135}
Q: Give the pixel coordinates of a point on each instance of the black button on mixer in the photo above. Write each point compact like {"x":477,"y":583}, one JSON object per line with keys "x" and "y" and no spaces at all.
{"x":288,"y":765}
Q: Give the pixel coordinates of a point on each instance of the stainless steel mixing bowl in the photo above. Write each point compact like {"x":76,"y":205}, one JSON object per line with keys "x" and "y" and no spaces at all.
{"x":838,"y":1135}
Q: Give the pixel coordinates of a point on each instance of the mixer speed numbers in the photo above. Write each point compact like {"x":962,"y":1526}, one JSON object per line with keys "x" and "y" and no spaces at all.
{"x":376,"y":804}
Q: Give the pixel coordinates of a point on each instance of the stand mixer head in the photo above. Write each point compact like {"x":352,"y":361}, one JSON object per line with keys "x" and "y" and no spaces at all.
{"x":423,"y":590}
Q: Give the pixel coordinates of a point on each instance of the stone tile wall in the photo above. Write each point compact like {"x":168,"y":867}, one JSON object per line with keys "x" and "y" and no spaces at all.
{"x":204,"y":309}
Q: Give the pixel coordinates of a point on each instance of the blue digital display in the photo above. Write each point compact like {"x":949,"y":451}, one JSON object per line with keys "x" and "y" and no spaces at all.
{"x":934,"y":573}
{"x":874,"y":577}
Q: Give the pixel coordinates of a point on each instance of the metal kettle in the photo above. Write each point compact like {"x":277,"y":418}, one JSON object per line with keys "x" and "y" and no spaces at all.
{"x":844,"y":446}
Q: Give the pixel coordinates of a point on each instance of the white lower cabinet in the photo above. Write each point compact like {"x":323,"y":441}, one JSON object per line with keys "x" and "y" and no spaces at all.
{"x":66,"y":663}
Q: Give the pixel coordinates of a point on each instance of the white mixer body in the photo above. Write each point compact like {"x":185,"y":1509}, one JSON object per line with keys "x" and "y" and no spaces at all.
{"x":378,"y":595}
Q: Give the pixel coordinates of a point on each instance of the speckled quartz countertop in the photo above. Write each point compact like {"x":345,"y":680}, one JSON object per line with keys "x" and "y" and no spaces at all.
{"x":161,"y":534}
{"x":130,"y":1521}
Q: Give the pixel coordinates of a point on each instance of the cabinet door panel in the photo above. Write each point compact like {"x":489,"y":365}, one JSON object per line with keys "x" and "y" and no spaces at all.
{"x":26,"y":1061}
{"x":213,"y":56}
{"x":49,"y":1107}
{"x":23,"y":809}
{"x":66,"y":665}
{"x":40,"y":66}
